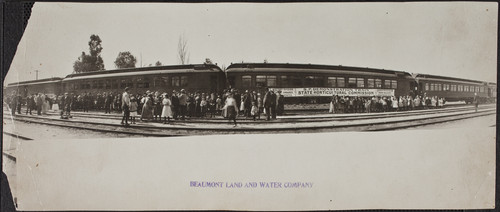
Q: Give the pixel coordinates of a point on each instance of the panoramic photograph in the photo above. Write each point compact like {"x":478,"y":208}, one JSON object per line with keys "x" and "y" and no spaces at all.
{"x":164,"y":82}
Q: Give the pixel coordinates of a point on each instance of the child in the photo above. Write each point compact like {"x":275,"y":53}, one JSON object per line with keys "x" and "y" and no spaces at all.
{"x":133,"y":109}
{"x":203,"y":105}
{"x":254,"y":111}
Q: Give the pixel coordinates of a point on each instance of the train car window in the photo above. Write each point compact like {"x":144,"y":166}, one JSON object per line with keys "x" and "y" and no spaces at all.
{"x":439,"y":88}
{"x":123,"y":84}
{"x":140,"y":83}
{"x":387,"y":84}
{"x":94,"y":84}
{"x":360,"y":82}
{"x":309,"y":81}
{"x":184,"y":81}
{"x":394,"y":84}
{"x":176,"y":82}
{"x":296,"y":81}
{"x":426,"y":86}
{"x":145,"y":83}
{"x":332,"y":82}
{"x":351,"y":83}
{"x":284,"y":81}
{"x":460,"y":88}
{"x":466,"y":88}
{"x":108,"y":84}
{"x":271,"y":81}
{"x":100,"y":84}
{"x":453,"y":87}
{"x":313,"y":81}
{"x":481,"y":89}
{"x":156,"y":82}
{"x":260,"y":81}
{"x":246,"y":81}
{"x":378,"y":83}
{"x":164,"y":81}
{"x":371,"y":83}
{"x":341,"y":82}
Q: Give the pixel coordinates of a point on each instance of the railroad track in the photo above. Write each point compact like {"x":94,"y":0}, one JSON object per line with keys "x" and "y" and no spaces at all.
{"x":369,"y":122}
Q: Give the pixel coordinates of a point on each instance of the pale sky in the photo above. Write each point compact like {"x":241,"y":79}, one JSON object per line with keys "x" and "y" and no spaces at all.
{"x":456,"y":39}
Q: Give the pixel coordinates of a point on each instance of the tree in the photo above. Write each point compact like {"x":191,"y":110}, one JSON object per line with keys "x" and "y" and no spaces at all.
{"x":158,"y":63}
{"x":182,"y":50}
{"x":125,"y":60}
{"x":92,"y":61}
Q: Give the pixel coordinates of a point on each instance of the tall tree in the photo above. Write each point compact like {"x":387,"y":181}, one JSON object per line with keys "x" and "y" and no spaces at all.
{"x":92,"y":61}
{"x":182,"y":50}
{"x":125,"y":60}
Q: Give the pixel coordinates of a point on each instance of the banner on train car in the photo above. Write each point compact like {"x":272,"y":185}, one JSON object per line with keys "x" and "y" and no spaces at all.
{"x":305,"y":92}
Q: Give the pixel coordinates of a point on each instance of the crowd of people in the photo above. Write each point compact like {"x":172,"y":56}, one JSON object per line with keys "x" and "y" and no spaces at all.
{"x":39,"y":103}
{"x":179,"y":105}
{"x":158,"y":107}
{"x":346,"y":104}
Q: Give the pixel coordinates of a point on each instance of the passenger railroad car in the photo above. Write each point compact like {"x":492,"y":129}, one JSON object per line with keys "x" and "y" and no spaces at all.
{"x":49,"y":86}
{"x":308,"y":83}
{"x":202,"y":77}
{"x":492,"y":91}
{"x":453,"y":89}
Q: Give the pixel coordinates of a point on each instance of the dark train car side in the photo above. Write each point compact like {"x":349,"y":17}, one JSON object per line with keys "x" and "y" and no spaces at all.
{"x":452,"y":89}
{"x":308,"y":83}
{"x":492,"y":92}
{"x":49,"y":86}
{"x":203,"y":78}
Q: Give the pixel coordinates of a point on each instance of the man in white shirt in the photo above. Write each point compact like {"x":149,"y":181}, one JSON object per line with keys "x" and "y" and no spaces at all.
{"x":125,"y":107}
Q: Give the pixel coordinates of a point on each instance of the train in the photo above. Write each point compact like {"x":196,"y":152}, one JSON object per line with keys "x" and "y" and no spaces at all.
{"x":300,"y":83}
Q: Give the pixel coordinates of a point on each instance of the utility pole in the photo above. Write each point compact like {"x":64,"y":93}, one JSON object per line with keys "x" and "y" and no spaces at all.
{"x":37,"y":74}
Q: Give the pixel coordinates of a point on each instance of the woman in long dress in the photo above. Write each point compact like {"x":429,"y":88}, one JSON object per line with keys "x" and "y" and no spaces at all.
{"x":167,"y":110}
{"x":332,"y":105}
{"x":231,"y":108}
{"x":55,"y":106}
{"x":45,"y":104}
{"x":147,"y":109}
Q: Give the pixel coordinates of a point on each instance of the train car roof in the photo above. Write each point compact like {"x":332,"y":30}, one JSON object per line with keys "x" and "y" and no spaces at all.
{"x":313,"y":68}
{"x":450,"y":79}
{"x":34,"y":82}
{"x":192,"y":68}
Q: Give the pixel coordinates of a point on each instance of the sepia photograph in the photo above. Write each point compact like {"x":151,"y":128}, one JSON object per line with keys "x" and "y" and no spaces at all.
{"x":253,"y":106}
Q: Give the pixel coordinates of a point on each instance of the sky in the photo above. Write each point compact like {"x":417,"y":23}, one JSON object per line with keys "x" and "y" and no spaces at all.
{"x":457,"y":39}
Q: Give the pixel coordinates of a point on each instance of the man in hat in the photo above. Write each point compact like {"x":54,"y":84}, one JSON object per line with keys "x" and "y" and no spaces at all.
{"x":269,"y":103}
{"x":175,"y":104}
{"x":476,"y":101}
{"x":108,"y":101}
{"x":280,"y":103}
{"x":30,"y":102}
{"x":183,"y":103}
{"x":66,"y":105}
{"x":125,"y":107}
